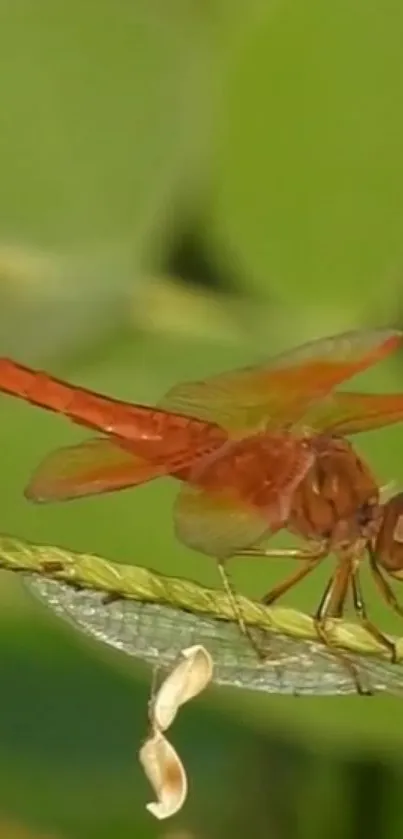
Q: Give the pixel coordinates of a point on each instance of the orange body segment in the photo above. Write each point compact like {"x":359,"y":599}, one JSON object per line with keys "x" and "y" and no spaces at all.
{"x":256,"y":450}
{"x":241,"y":442}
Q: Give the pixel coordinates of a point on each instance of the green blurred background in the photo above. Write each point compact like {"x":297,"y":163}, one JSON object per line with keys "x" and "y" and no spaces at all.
{"x":187,"y":186}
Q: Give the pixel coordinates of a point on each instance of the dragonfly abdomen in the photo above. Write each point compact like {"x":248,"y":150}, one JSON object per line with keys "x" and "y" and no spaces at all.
{"x":136,"y":424}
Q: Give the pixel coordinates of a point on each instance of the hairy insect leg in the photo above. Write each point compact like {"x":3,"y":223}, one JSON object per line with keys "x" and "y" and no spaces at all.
{"x":361,"y":612}
{"x":318,"y":550}
{"x":332,"y":605}
{"x":233,"y":600}
{"x":383,"y":586}
{"x":277,"y":591}
{"x":310,"y":557}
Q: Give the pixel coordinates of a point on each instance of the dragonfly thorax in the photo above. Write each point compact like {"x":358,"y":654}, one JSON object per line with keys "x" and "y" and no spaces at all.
{"x":338,"y":500}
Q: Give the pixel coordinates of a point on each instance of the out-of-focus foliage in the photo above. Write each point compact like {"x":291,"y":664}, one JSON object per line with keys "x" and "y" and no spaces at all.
{"x":106,"y":110}
{"x":307,"y":189}
{"x":13,"y":830}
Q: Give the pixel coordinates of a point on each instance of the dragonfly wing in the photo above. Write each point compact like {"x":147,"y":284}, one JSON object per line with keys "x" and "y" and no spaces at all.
{"x":90,"y":468}
{"x":217,"y":524}
{"x":222,"y":520}
{"x":280,"y":392}
{"x":349,"y":413}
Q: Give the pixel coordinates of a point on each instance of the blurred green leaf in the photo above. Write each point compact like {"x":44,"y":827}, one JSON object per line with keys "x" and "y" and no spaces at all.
{"x":97,"y":116}
{"x":307,"y":195}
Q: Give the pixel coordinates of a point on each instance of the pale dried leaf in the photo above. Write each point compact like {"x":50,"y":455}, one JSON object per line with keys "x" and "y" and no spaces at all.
{"x":191,"y":675}
{"x":166,"y":774}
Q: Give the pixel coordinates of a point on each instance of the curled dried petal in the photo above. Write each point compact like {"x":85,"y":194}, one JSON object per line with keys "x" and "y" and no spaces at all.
{"x":191,"y":675}
{"x":166,"y":774}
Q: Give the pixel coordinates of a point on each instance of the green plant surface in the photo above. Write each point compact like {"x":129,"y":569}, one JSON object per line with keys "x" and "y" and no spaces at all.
{"x":153,"y":617}
{"x":307,"y":182}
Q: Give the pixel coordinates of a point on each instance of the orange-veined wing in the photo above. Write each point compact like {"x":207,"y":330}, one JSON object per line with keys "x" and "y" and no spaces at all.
{"x":240,"y":494}
{"x":242,"y":401}
{"x":349,"y":413}
{"x":100,"y":465}
{"x":279,"y":392}
{"x":90,"y":468}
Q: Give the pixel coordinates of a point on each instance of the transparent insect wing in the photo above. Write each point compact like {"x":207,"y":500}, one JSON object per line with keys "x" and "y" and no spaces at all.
{"x":281,"y":391}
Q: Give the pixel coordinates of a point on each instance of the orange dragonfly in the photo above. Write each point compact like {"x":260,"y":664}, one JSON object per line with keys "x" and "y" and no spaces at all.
{"x":257,"y":450}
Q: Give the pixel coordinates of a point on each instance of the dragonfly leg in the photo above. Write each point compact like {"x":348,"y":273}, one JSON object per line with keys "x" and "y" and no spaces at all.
{"x":332,"y":605}
{"x":233,"y":600}
{"x":309,"y":556}
{"x":361,"y":612}
{"x":278,"y":591}
{"x":318,"y":550}
{"x":383,"y":586}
